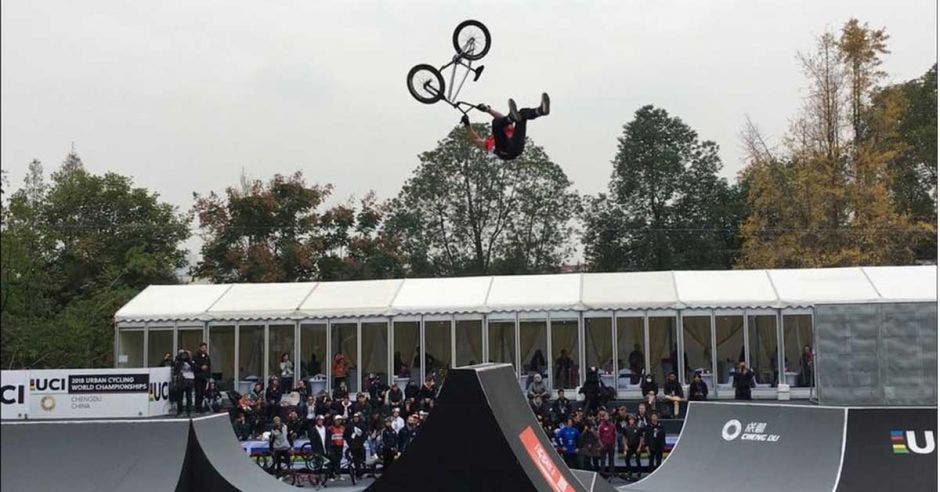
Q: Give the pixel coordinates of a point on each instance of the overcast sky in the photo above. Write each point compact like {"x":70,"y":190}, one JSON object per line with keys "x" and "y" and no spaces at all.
{"x":184,"y":95}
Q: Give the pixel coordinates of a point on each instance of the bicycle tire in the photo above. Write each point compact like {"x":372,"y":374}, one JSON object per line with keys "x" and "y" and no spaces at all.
{"x":477,"y":54}
{"x":415,"y":87}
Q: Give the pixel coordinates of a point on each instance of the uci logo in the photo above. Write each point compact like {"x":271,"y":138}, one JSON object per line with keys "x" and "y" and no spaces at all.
{"x":159,"y":391}
{"x":47,"y":384}
{"x":10,"y":394}
{"x":904,"y":442}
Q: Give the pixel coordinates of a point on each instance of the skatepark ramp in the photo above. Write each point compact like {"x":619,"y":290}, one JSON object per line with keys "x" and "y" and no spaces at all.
{"x":128,"y":455}
{"x":482,"y":435}
{"x":772,"y":447}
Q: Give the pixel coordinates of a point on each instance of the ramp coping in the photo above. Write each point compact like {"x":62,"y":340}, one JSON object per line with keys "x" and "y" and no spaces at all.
{"x":845,"y":431}
{"x":111,"y":421}
{"x":838,"y":407}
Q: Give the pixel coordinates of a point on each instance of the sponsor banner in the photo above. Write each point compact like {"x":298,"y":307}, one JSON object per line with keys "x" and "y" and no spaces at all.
{"x":158,"y":391}
{"x":890,"y":448}
{"x":13,"y":394}
{"x":543,"y":461}
{"x":87,"y":393}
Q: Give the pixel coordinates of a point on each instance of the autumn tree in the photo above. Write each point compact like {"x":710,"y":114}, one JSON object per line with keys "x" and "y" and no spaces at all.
{"x":280,"y":232}
{"x":666,"y":208}
{"x":463,"y":213}
{"x":825,"y":199}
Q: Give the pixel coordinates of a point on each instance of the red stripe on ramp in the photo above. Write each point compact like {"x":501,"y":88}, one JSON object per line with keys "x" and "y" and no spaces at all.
{"x":543,"y":461}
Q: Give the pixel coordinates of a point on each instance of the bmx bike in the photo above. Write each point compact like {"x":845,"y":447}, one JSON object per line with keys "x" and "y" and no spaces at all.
{"x":471,"y":40}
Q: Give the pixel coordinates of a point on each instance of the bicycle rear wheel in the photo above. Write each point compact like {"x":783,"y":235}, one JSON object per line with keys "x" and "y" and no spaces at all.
{"x":472,"y":39}
{"x":425,"y":83}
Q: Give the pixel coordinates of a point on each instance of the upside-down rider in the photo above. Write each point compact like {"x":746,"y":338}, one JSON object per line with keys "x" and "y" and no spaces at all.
{"x":508,"y":139}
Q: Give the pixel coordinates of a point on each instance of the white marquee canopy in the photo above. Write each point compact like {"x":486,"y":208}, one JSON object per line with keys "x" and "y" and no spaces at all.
{"x":726,"y":289}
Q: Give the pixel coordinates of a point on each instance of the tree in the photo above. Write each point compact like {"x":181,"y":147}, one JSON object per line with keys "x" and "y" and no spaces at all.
{"x":666,"y":207}
{"x":73,"y":251}
{"x":275,"y":233}
{"x":826,"y":199}
{"x":462,"y":213}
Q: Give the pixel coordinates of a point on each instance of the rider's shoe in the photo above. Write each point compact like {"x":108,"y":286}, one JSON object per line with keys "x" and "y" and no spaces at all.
{"x":483,"y":107}
{"x":514,"y":111}
{"x":545,"y":106}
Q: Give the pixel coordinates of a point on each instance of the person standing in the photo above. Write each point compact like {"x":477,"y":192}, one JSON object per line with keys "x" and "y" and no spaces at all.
{"x":589,"y":446}
{"x":632,"y":436}
{"x":287,"y":372}
{"x":279,"y":442}
{"x":806,"y":367}
{"x":318,"y":436}
{"x":355,"y":435}
{"x":569,"y":436}
{"x":337,"y":438}
{"x":167,"y":360}
{"x":654,"y":438}
{"x":607,"y":432}
{"x":743,"y":381}
{"x":185,"y":370}
{"x":203,"y":373}
{"x":340,"y":369}
{"x":389,"y":444}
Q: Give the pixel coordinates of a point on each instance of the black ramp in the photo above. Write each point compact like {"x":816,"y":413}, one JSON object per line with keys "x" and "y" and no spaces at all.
{"x":890,"y":449}
{"x":92,"y":455}
{"x":742,"y":447}
{"x":216,"y":460}
{"x":481,"y":436}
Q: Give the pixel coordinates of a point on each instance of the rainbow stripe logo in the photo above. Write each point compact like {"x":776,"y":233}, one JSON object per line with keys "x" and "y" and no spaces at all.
{"x":897,"y":442}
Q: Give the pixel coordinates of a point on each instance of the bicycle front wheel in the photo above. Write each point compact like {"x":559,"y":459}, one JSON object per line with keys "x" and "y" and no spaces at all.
{"x":472,"y":39}
{"x":425,"y":83}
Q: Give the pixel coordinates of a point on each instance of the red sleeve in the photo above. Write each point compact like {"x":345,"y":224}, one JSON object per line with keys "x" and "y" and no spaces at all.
{"x":490,"y":143}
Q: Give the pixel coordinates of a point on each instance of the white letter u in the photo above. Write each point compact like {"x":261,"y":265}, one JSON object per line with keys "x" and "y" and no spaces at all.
{"x":929,"y":443}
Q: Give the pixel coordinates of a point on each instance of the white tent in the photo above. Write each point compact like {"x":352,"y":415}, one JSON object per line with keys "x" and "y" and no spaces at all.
{"x":728,"y":289}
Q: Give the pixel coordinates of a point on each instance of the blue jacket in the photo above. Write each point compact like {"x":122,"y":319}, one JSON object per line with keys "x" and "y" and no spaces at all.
{"x":569,"y":439}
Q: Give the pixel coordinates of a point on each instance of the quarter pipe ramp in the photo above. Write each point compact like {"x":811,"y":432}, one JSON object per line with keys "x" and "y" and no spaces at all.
{"x":483,"y":436}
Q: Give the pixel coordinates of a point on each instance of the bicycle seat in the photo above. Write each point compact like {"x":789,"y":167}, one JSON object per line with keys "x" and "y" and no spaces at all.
{"x":476,"y":73}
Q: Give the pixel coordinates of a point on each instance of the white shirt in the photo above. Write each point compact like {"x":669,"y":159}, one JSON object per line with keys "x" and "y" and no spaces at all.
{"x":322,"y":431}
{"x":398,"y":423}
{"x":311,"y":412}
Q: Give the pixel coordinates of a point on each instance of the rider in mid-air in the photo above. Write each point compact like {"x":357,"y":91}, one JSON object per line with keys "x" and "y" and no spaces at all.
{"x":508,"y":139}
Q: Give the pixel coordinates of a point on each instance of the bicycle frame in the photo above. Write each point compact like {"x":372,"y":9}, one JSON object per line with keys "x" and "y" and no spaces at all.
{"x":458,"y":60}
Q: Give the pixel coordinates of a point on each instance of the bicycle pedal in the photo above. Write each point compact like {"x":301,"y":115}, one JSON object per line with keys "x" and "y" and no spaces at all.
{"x":476,"y":72}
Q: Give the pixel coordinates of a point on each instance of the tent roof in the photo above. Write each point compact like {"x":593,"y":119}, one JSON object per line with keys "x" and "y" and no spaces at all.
{"x":729,"y":289}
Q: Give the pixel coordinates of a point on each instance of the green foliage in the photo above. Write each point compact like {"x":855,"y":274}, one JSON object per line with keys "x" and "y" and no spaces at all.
{"x":275,"y":233}
{"x":73,"y":251}
{"x":463,"y":213}
{"x":667,"y":208}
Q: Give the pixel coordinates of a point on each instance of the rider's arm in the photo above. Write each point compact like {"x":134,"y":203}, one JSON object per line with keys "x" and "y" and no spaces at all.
{"x":475,"y":138}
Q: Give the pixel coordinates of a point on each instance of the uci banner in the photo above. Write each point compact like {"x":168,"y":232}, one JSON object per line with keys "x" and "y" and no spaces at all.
{"x":85,"y":393}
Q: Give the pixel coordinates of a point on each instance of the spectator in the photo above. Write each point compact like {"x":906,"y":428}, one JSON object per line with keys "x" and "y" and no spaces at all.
{"x":537,"y":388}
{"x":213,"y":396}
{"x":167,"y":360}
{"x":607,"y":433}
{"x":591,"y":390}
{"x":632,"y":436}
{"x":407,"y":433}
{"x":295,"y":425}
{"x":242,"y":427}
{"x":539,"y":408}
{"x":376,"y":388}
{"x":652,"y":404}
{"x":636,"y":363}
{"x":203,"y":371}
{"x":654,"y":438}
{"x":313,"y":367}
{"x":411,"y":390}
{"x":674,"y":360}
{"x":399,"y":366}
{"x":537,"y":362}
{"x":301,"y":390}
{"x":389,"y":443}
{"x":698,"y":390}
{"x":340,"y":369}
{"x":642,"y":416}
{"x":280,"y":443}
{"x":672,"y":393}
{"x":186,"y":376}
{"x":344,"y":407}
{"x":569,"y":437}
{"x":287,"y":372}
{"x":561,"y":409}
{"x":318,"y":436}
{"x":589,"y":447}
{"x":427,"y":390}
{"x":337,"y":433}
{"x":355,"y":435}
{"x":397,"y":422}
{"x":564,"y":370}
{"x":649,"y":384}
{"x":743,"y":381}
{"x":340,"y":391}
{"x":272,"y":398}
{"x":619,"y":418}
{"x":395,"y":397}
{"x":806,"y":367}
{"x":310,"y":413}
